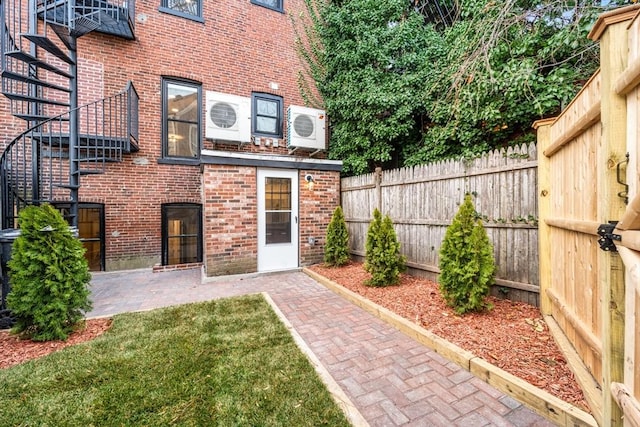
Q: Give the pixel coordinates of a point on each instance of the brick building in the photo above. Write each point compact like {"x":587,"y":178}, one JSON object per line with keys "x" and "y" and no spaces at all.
{"x":208,"y":156}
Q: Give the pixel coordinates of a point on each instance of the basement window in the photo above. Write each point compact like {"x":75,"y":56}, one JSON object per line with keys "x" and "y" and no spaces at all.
{"x":271,"y":4}
{"x":181,"y":233}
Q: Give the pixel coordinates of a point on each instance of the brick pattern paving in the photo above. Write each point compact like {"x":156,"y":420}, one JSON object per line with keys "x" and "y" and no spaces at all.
{"x":392,"y":379}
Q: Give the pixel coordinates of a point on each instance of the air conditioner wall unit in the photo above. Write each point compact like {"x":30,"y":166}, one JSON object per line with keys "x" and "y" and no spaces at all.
{"x":228,"y":117}
{"x":306,"y":128}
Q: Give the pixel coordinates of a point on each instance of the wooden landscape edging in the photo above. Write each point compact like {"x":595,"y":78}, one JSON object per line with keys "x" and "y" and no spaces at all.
{"x":538,"y":400}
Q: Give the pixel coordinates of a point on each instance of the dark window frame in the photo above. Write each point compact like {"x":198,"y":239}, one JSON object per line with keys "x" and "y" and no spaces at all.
{"x":61,"y":206}
{"x":279,"y":8}
{"x":166,"y":158}
{"x":255,"y":96}
{"x":164,"y":7}
{"x":165,"y":229}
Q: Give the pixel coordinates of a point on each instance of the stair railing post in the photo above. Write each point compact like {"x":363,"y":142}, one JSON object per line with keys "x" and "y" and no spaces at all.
{"x":33,"y":107}
{"x":3,"y":35}
{"x":74,"y":130}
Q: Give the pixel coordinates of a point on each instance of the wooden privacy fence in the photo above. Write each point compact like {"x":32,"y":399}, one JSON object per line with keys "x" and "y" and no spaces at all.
{"x":423,"y":200}
{"x":590,"y":225}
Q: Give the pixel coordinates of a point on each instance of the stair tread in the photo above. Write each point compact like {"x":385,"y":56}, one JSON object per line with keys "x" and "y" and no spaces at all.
{"x":68,"y":186}
{"x":46,"y":43}
{"x":32,"y":60}
{"x":27,"y":79}
{"x":27,"y":98}
{"x":90,"y":171}
{"x":37,"y":117}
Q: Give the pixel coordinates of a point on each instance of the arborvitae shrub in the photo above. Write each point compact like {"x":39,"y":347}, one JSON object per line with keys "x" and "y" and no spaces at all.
{"x":383,"y":259}
{"x":49,"y":276}
{"x":336,"y":251}
{"x":467,"y":266}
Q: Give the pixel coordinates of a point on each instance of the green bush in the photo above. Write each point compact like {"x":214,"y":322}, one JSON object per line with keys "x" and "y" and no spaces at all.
{"x":336,"y":251}
{"x":49,"y":276}
{"x":383,"y":259}
{"x":467,"y":266}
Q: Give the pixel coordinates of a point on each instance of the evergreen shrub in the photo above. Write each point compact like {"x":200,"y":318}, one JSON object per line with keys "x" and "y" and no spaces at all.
{"x":467,"y":266}
{"x":383,"y":259}
{"x":49,"y":276}
{"x":336,"y":251}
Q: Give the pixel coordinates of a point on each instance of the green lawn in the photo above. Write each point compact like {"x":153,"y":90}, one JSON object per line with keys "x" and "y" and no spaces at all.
{"x":221,"y":363}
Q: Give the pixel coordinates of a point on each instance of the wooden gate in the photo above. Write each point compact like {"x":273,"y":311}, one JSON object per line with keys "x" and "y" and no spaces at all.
{"x":589,"y":230}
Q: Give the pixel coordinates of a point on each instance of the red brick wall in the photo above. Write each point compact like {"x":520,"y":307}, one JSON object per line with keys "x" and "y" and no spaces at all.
{"x":230,"y":219}
{"x":316,"y":208}
{"x":240,"y":48}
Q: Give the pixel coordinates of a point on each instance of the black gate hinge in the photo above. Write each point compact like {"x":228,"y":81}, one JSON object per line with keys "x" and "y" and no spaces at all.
{"x":607,"y":236}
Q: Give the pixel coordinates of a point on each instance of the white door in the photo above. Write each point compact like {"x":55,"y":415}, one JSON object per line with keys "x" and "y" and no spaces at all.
{"x":277,"y":219}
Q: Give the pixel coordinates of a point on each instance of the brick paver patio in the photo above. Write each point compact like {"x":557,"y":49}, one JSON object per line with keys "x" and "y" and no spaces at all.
{"x":390,"y":378}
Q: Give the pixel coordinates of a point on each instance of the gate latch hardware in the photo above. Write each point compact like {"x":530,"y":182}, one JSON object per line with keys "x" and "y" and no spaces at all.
{"x":607,"y":236}
{"x":624,"y":195}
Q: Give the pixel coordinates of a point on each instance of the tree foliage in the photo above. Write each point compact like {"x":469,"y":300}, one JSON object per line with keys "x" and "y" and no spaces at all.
{"x":336,"y":251}
{"x":466,"y":263}
{"x":383,"y":259}
{"x":400,"y":91}
{"x":49,"y":276}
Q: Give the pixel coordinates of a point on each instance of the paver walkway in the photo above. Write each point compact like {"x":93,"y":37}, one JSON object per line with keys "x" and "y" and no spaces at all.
{"x":390,"y":378}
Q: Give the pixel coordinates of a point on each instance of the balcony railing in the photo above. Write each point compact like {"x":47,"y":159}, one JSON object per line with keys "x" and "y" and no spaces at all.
{"x":116,"y":17}
{"x":35,"y":167}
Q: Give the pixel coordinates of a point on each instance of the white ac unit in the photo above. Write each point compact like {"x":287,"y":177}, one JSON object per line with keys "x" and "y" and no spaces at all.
{"x":228,"y":117}
{"x":306,"y":128}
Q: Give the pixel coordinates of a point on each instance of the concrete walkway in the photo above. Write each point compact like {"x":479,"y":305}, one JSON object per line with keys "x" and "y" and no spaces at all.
{"x":391,"y":379}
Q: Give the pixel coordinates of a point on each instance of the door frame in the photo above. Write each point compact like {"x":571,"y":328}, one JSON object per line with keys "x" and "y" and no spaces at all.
{"x":264,"y":262}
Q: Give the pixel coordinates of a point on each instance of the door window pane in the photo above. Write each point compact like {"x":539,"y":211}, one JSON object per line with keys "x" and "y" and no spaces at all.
{"x":278,"y":227}
{"x":278,"y":210}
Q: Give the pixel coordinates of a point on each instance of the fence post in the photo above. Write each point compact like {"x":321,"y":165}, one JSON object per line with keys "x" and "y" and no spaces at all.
{"x":543,"y":129}
{"x":377,"y":178}
{"x":611,"y":31}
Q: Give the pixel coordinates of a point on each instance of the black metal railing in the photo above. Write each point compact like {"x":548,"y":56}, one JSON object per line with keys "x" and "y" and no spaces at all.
{"x":116,"y":17}
{"x":35,"y":166}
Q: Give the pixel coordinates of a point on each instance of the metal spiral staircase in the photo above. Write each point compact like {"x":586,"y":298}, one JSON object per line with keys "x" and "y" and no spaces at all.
{"x":39,"y":75}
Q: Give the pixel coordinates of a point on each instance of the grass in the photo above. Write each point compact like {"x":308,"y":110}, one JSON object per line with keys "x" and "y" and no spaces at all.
{"x":221,"y":363}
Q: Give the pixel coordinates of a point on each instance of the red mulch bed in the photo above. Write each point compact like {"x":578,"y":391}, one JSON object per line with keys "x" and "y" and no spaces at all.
{"x":512,"y":336}
{"x":14,"y":350}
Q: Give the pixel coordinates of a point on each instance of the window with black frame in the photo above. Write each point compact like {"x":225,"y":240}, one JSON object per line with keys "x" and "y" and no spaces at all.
{"x":191,"y":9}
{"x":181,"y":233}
{"x":271,"y":4}
{"x":267,"y":113}
{"x":90,"y":231}
{"x":181,"y":109}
